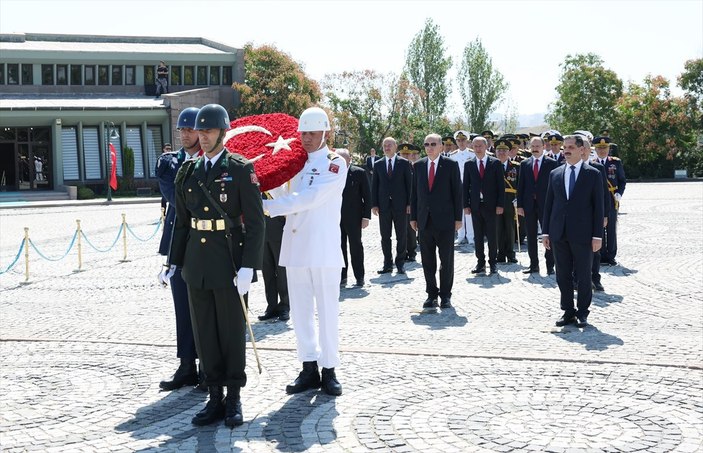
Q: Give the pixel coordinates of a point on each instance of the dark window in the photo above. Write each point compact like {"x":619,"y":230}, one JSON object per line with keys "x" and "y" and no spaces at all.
{"x":40,"y":134}
{"x":22,"y":135}
{"x":202,"y":75}
{"x":117,"y":75}
{"x":89,"y":75}
{"x":2,"y":73}
{"x":47,"y":74}
{"x":227,"y":75}
{"x":189,"y":75}
{"x":76,"y":74}
{"x":103,"y":75}
{"x":214,"y":75}
{"x":61,"y":74}
{"x":27,"y":74}
{"x":8,"y":133}
{"x":175,"y":75}
{"x":130,"y":75}
{"x":13,"y":74}
{"x":149,"y":78}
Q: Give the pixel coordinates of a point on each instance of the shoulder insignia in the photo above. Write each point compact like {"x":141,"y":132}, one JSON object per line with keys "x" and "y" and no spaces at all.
{"x":185,"y":169}
{"x":332,"y":155}
{"x":614,"y":158}
{"x":334,"y":168}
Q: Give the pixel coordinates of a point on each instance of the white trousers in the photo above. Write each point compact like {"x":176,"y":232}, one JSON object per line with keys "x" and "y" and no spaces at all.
{"x":309,"y":287}
{"x":467,"y":229}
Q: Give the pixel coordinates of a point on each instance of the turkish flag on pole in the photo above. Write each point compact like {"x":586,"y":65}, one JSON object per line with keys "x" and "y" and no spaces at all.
{"x":113,"y":167}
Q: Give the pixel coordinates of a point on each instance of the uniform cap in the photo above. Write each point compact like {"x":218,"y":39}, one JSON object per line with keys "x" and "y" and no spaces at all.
{"x":601,"y":142}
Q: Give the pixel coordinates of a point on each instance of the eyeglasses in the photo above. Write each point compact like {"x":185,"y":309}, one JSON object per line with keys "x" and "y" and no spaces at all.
{"x":427,"y":145}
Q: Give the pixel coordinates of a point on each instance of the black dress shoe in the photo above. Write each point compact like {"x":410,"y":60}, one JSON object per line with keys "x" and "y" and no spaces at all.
{"x":479,"y":269}
{"x":430,"y":302}
{"x":214,"y":409}
{"x":550,"y":270}
{"x":343,"y":282}
{"x":446,"y":303}
{"x":268,"y":315}
{"x":202,"y":386}
{"x":532,"y":270}
{"x":581,"y":321}
{"x":410,"y":258}
{"x":385,"y":270}
{"x":512,"y":260}
{"x":330,"y":385}
{"x":233,"y":408}
{"x":309,"y":378}
{"x":566,"y":320}
{"x":284,"y":316}
{"x":401,"y":269}
{"x":598,"y":286}
{"x":612,"y":262}
{"x":501,"y":259}
{"x":186,"y":374}
{"x":359,"y":282}
{"x":493,"y":269}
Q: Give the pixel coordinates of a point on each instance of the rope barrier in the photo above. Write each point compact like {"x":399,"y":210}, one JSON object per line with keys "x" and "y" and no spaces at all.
{"x":117,"y":238}
{"x":158,"y":227}
{"x":70,"y":246}
{"x":17,"y":258}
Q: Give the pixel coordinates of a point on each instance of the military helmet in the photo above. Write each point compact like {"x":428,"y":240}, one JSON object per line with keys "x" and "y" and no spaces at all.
{"x":187,"y":118}
{"x":313,"y":119}
{"x":212,"y":116}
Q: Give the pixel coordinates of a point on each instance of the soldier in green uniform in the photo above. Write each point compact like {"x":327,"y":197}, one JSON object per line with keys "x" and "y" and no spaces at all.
{"x":505,"y":222}
{"x":214,"y":194}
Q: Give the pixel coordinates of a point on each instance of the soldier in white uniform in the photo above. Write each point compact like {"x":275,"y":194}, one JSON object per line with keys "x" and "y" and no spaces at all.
{"x":465,"y":235}
{"x":311,"y":252}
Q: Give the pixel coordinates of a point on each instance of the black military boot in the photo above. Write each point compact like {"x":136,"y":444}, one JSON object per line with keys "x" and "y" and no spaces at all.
{"x":330,"y":384}
{"x":186,"y":374}
{"x":233,"y":407}
{"x":214,"y":409}
{"x":202,"y":386}
{"x":309,"y":378}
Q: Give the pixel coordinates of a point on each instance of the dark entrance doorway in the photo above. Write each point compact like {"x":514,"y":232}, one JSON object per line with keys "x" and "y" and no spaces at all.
{"x":25,"y":159}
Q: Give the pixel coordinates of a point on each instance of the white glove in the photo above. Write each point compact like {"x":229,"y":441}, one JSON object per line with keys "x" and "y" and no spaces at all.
{"x":618,"y":197}
{"x":166,"y":274}
{"x":243,"y":280}
{"x":515,"y":202}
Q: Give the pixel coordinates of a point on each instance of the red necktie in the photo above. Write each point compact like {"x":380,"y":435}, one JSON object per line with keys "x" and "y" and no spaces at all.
{"x":535,"y":170}
{"x":481,"y":169}
{"x":390,"y":168}
{"x":431,"y":177}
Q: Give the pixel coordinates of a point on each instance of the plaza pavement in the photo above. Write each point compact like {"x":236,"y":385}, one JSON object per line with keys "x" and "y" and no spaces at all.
{"x":81,"y":353}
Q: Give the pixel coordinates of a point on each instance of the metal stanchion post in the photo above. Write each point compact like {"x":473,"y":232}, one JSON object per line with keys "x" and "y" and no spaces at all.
{"x":80,"y":251}
{"x":26,"y":255}
{"x":124,"y":237}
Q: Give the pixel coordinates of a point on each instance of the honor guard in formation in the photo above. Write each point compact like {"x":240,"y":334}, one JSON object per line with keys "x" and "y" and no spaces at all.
{"x":465,"y":234}
{"x":312,"y":253}
{"x":616,"y":186}
{"x":218,"y":254}
{"x":166,"y":169}
{"x":506,"y":222}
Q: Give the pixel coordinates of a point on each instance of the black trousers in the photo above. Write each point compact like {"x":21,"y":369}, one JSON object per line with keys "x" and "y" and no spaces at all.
{"x":505,"y":230}
{"x":352,"y":234}
{"x":275,"y":280}
{"x":219,"y":326}
{"x":412,"y":242}
{"x":573,"y":262}
{"x":532,"y":217}
{"x":610,"y":244}
{"x":185,"y":343}
{"x":484,"y":222}
{"x":432,"y":239}
{"x":398,"y":221}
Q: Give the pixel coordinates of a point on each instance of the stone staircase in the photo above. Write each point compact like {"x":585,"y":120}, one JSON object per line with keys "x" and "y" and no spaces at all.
{"x":33,"y":195}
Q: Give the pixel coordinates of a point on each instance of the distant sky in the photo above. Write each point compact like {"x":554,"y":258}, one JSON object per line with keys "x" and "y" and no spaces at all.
{"x":526,"y":39}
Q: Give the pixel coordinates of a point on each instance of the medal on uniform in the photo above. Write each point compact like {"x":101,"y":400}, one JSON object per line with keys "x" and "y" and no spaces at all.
{"x":223,"y":197}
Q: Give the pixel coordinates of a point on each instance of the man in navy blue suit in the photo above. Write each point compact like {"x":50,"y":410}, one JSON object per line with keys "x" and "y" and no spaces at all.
{"x":484,"y":196}
{"x":572,"y":227}
{"x":531,"y":192}
{"x":435,"y":210}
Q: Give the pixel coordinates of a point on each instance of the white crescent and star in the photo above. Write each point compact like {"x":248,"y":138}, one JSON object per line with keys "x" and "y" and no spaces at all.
{"x":278,"y":145}
{"x":281,"y":143}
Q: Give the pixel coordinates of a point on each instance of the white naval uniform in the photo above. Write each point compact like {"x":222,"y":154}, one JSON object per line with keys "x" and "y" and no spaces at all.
{"x":311,"y":252}
{"x":467,"y":228}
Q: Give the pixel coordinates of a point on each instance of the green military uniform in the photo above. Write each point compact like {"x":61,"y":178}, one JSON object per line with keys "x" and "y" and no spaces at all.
{"x":506,"y":222}
{"x":200,"y":245}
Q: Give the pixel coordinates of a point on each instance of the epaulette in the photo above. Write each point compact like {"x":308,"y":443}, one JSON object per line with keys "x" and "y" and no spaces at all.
{"x":514,"y":162}
{"x":184,"y":171}
{"x":332,"y":155}
{"x":614,"y":158}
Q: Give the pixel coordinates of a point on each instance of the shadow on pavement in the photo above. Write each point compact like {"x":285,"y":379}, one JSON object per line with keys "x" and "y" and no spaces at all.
{"x":263,"y":329}
{"x":442,"y":319}
{"x":353,"y":292}
{"x":617,"y":271}
{"x":604,"y":299}
{"x":285,"y":427}
{"x":592,"y":338}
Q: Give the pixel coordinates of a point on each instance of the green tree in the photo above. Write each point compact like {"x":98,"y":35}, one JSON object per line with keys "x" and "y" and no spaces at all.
{"x":691,"y":80}
{"x":586,"y":95}
{"x":654,"y":130}
{"x":481,"y":86}
{"x":274,"y":82}
{"x":426,"y":67}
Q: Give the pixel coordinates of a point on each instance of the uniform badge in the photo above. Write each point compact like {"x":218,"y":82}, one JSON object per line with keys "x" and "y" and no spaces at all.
{"x":254,"y":180}
{"x":334,"y":168}
{"x":223,"y":197}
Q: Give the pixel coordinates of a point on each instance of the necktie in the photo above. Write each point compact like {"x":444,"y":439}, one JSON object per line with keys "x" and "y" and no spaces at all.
{"x":535,"y":169}
{"x":603,"y":162}
{"x":208,"y":167}
{"x":390,"y":168}
{"x":572,"y":180}
{"x":431,"y":177}
{"x":481,"y":169}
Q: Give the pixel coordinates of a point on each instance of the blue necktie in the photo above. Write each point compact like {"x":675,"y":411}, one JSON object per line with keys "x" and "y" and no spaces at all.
{"x":572,"y":180}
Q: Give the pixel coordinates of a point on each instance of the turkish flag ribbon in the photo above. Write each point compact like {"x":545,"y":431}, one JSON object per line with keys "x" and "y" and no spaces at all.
{"x":113,"y":167}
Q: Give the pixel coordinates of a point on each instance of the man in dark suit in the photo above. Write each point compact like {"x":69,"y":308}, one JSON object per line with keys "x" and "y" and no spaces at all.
{"x":484,"y":195}
{"x":435,"y":210}
{"x":531,"y":192}
{"x":275,"y":277}
{"x":356,"y":215}
{"x":390,"y":200}
{"x":369,"y":163}
{"x":572,"y":226}
{"x":213,"y":250}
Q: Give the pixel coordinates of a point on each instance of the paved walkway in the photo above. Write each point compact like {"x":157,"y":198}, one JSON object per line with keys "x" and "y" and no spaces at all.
{"x":81,"y":353}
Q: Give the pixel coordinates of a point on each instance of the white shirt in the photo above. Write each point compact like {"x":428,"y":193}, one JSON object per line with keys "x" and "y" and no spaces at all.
{"x":567,"y":176}
{"x":484,"y":160}
{"x":429,"y":162}
{"x":461,"y":156}
{"x":213,"y":159}
{"x":392,"y":159}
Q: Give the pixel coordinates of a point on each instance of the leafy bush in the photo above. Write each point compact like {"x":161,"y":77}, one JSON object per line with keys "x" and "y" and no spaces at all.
{"x":85,"y":193}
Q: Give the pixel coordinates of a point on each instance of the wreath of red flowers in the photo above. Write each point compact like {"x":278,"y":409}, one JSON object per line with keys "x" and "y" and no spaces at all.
{"x":272,"y":142}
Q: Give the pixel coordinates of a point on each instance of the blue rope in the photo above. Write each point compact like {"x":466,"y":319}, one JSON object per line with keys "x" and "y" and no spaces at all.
{"x":107,"y":249}
{"x":158,"y":226}
{"x":70,"y":246}
{"x":17,"y":257}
